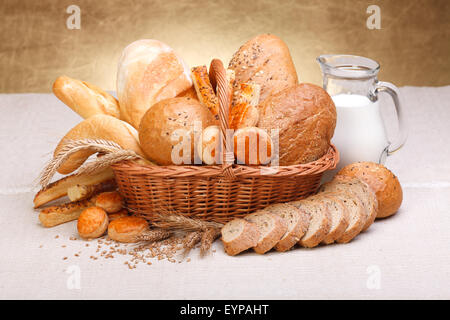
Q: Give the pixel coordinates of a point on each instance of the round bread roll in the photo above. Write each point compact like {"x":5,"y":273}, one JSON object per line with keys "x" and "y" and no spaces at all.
{"x":85,"y":98}
{"x":305,"y":116}
{"x":149,"y":71}
{"x":127,"y":229}
{"x":92,"y":223}
{"x":167,"y":129}
{"x":98,"y":127}
{"x":382,"y":181}
{"x":109,"y":201}
{"x":252,"y":146}
{"x":264,"y":60}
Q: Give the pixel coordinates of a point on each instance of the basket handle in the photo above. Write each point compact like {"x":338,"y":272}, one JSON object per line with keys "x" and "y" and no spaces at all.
{"x":218,"y":75}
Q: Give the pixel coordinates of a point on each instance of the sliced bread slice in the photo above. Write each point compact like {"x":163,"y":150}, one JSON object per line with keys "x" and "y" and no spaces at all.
{"x":297,"y":222}
{"x":239,"y":235}
{"x":339,"y":213}
{"x":361,"y":190}
{"x":271,"y":229}
{"x":319,"y":222}
{"x":357,"y":216}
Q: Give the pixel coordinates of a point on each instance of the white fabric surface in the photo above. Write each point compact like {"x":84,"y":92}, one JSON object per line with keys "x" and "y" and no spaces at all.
{"x":405,"y":256}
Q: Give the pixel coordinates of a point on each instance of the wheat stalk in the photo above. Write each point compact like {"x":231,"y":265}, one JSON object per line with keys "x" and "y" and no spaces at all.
{"x":208,"y":237}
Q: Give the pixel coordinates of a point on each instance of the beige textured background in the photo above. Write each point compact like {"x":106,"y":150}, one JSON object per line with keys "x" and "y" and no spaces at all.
{"x":413,"y":45}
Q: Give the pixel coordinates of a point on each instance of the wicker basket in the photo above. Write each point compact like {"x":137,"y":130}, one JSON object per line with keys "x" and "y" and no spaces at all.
{"x":221,"y":192}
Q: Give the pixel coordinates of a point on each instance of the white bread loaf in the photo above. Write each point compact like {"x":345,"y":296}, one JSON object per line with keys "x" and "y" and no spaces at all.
{"x":271,"y":228}
{"x":239,"y":235}
{"x":148,"y":71}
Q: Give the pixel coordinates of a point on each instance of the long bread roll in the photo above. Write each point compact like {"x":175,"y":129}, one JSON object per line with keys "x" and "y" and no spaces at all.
{"x":98,"y":127}
{"x":85,"y":98}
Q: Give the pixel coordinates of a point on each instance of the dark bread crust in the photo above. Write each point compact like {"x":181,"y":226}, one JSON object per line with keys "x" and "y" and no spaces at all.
{"x":305,"y":116}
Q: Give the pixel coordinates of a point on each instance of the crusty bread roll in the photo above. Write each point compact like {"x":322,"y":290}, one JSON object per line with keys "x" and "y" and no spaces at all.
{"x":92,"y":223}
{"x":252,"y":146}
{"x":85,"y":98}
{"x":264,"y":60}
{"x":109,"y":201}
{"x":168,"y":125}
{"x":116,"y":215}
{"x":382,"y":181}
{"x":305,"y":116}
{"x":149,"y":71}
{"x":127,"y":229}
{"x":98,"y":127}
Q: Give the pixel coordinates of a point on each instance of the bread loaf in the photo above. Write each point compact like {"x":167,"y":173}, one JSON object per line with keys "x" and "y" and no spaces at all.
{"x":264,"y":60}
{"x":382,"y":181}
{"x":148,"y":71}
{"x":357,"y":217}
{"x":252,"y":146}
{"x":98,"y":127}
{"x":167,"y":127}
{"x":85,"y":98}
{"x":305,"y":116}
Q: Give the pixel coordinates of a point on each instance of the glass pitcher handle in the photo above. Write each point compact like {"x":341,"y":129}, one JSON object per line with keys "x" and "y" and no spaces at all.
{"x":393,"y":91}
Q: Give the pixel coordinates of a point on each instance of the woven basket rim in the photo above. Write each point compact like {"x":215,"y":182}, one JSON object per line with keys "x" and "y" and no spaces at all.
{"x":327,"y":162}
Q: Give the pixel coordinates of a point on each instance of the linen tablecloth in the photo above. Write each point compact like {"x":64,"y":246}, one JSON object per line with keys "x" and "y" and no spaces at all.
{"x":405,"y":256}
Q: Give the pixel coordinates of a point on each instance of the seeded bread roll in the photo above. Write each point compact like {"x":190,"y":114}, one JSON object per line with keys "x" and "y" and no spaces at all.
{"x":239,"y":235}
{"x":271,"y":228}
{"x":361,"y":191}
{"x":297,"y":222}
{"x":382,"y":181}
{"x":264,"y":60}
{"x":339,"y":215}
{"x":167,"y":127}
{"x":305,"y":116}
{"x":92,"y":223}
{"x":319,"y":222}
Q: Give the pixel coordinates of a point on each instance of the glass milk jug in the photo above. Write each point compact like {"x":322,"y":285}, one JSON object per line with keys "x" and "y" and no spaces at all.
{"x":360,"y":133}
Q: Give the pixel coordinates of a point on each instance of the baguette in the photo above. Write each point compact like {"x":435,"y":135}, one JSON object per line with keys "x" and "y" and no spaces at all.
{"x":271,"y":228}
{"x":58,"y":189}
{"x":98,"y":127}
{"x":55,"y":215}
{"x":245,"y":112}
{"x":85,"y":98}
{"x":319,"y":225}
{"x":297,"y":222}
{"x":82,"y":191}
{"x":239,"y":235}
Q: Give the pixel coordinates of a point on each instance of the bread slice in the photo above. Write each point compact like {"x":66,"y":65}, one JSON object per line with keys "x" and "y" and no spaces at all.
{"x":239,"y":235}
{"x":361,"y":190}
{"x":357,"y":216}
{"x":339,"y":214}
{"x":271,"y":228}
{"x":297,"y":222}
{"x":319,"y":222}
